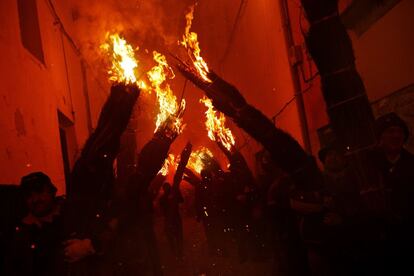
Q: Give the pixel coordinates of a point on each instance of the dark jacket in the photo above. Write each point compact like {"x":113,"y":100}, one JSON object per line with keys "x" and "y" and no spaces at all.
{"x":398,"y":182}
{"x":35,"y":250}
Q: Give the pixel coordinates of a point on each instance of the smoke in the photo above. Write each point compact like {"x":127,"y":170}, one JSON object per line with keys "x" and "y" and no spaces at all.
{"x":147,"y":24}
{"x":150,"y":25}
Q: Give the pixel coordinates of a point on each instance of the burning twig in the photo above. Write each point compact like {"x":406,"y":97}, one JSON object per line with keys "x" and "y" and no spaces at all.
{"x":124,"y":63}
{"x":216,"y":126}
{"x":169,"y":164}
{"x":286,"y":151}
{"x":92,"y":175}
{"x":226,"y":98}
{"x":199,"y":159}
{"x":184,"y":158}
{"x":170,"y":111}
{"x":190,"y":42}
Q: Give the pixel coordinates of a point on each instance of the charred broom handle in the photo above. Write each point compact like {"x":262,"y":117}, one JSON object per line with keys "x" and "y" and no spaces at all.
{"x":185,"y":156}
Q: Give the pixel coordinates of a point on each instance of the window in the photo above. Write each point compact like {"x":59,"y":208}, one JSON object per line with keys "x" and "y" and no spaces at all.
{"x":29,"y":28}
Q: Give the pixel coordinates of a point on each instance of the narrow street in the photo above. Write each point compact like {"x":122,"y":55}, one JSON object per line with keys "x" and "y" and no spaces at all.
{"x":197,"y":261}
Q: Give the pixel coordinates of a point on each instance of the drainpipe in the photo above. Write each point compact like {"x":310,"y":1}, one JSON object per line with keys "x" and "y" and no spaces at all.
{"x":295,"y":72}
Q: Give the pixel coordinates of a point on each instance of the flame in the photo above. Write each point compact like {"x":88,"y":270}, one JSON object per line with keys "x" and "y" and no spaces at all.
{"x":170,"y":110}
{"x":216,"y":126}
{"x":190,"y":42}
{"x":124,"y":63}
{"x":170,"y":164}
{"x":198,"y":159}
{"x":143,"y":85}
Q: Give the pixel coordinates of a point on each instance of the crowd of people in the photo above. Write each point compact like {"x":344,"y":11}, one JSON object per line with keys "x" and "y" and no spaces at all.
{"x":339,"y":227}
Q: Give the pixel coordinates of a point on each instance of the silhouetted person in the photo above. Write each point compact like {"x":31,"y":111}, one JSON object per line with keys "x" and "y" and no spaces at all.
{"x":238,"y":195}
{"x":170,"y":205}
{"x":136,"y":250}
{"x":207,"y":204}
{"x":340,"y":195}
{"x":89,"y":219}
{"x":206,"y":211}
{"x":396,"y":167}
{"x":290,"y":256}
{"x":36,"y":246}
{"x":12,"y":210}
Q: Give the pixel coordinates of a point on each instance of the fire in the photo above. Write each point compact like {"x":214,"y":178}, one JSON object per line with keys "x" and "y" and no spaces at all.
{"x":190,"y":42}
{"x":143,"y":85}
{"x":216,"y":126}
{"x":171,"y":163}
{"x":198,"y":159}
{"x":124,"y":63}
{"x":170,"y":110}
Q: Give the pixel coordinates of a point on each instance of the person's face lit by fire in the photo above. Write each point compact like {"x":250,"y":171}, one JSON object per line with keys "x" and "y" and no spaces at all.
{"x":392,"y":139}
{"x":40,"y":203}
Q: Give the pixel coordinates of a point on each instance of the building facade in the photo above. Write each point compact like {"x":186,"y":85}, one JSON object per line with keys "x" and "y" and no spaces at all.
{"x":382,"y":37}
{"x":49,"y":97}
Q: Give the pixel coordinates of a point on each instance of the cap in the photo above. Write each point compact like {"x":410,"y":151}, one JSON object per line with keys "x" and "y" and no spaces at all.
{"x":36,"y":182}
